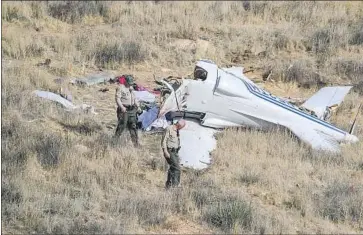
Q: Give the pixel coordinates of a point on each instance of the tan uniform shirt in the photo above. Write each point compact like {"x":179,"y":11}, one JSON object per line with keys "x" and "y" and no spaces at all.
{"x":170,"y":138}
{"x":125,"y":96}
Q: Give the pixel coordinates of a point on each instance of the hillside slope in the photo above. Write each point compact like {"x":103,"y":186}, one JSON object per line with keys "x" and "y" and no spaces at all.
{"x":62,"y":174}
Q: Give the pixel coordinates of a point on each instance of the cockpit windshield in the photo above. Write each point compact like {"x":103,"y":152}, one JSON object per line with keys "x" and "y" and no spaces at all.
{"x":200,"y":73}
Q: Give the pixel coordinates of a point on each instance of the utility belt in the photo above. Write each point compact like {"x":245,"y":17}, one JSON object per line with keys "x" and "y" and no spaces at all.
{"x":173,"y":149}
{"x":128,"y":107}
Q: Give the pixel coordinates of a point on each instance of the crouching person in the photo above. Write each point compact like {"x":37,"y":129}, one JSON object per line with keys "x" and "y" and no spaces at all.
{"x":170,"y":145}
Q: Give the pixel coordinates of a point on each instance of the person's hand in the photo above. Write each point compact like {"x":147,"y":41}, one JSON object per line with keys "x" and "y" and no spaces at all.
{"x":166,"y":154}
{"x":123,"y":109}
{"x":139,"y":111}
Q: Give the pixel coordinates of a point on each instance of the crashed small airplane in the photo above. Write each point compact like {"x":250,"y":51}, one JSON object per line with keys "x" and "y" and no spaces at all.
{"x":218,"y":98}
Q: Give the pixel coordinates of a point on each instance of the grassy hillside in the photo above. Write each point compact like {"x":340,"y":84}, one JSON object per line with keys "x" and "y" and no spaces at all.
{"x":62,"y":174}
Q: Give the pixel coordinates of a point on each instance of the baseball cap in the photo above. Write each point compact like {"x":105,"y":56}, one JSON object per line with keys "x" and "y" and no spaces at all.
{"x":130,"y":80}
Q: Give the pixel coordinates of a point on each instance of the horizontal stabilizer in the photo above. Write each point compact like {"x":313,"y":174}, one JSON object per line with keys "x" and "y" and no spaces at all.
{"x":326,"y":97}
{"x":318,"y":140}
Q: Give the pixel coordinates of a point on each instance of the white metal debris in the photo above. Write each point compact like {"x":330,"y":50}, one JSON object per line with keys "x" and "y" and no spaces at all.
{"x":64,"y":102}
{"x":145,"y":96}
{"x":196,"y":144}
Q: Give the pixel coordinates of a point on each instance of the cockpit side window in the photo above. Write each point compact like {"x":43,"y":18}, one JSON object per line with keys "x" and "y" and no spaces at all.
{"x":200,"y":73}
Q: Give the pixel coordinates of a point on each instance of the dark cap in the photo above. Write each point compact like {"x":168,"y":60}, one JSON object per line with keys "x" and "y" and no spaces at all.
{"x":130,"y":80}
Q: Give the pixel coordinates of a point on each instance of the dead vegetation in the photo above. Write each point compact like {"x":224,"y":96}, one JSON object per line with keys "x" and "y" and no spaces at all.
{"x":62,"y":173}
{"x":109,"y":55}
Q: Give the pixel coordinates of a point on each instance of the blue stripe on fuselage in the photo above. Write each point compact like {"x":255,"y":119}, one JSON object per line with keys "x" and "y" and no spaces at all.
{"x":285,"y":106}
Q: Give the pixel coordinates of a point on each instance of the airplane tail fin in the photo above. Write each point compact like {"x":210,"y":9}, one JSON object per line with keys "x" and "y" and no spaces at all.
{"x":326,"y":97}
{"x":355,"y":121}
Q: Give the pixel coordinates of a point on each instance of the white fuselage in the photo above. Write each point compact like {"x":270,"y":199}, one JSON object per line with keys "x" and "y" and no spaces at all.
{"x":229,"y":100}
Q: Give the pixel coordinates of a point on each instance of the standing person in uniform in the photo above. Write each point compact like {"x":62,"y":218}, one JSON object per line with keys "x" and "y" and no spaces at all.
{"x":170,"y":145}
{"x":127,"y":108}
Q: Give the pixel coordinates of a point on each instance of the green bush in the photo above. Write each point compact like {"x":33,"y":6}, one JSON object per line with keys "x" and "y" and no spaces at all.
{"x":350,"y":69}
{"x":74,"y":11}
{"x":341,"y":201}
{"x":49,"y":148}
{"x":228,"y":212}
{"x":116,"y":53}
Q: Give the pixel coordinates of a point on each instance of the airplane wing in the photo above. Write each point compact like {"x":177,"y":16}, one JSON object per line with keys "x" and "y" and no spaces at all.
{"x":326,"y":97}
{"x":317,"y":139}
{"x":196,"y":144}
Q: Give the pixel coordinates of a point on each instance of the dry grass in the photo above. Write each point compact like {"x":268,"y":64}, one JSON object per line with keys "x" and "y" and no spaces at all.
{"x":62,"y":173}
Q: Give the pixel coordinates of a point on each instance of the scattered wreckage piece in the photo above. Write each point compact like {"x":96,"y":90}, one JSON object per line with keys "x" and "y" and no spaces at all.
{"x":164,"y":90}
{"x":94,"y":79}
{"x":225,"y":97}
{"x":104,"y":89}
{"x":46,"y":63}
{"x":87,"y":108}
{"x":55,"y":97}
{"x":158,"y":124}
{"x":148,"y":117}
{"x":69,"y":106}
{"x":295,"y":101}
{"x":145,"y":96}
{"x":149,"y":120}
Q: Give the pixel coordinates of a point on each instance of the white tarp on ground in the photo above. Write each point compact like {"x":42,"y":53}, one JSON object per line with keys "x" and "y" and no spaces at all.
{"x":145,"y":96}
{"x":196,"y":144}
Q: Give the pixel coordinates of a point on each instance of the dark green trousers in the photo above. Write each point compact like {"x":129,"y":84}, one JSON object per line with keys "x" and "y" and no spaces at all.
{"x":174,"y":169}
{"x":128,"y":120}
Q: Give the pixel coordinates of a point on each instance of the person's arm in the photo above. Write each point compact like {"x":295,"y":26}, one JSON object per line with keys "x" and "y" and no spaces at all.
{"x":163,"y":143}
{"x":118,"y":99}
{"x":135,"y":101}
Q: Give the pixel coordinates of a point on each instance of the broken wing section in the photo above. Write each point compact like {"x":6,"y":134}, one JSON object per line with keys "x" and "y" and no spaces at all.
{"x":318,"y":140}
{"x":326,"y":97}
{"x":55,"y":97}
{"x":196,"y":144}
